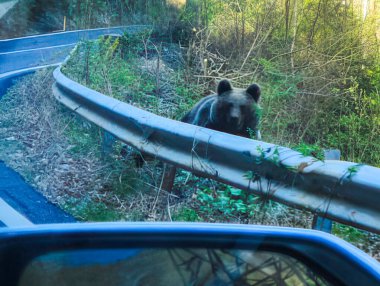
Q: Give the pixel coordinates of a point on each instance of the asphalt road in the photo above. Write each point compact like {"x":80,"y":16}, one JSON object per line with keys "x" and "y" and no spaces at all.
{"x":27,"y":201}
{"x":59,"y":39}
{"x":12,"y":61}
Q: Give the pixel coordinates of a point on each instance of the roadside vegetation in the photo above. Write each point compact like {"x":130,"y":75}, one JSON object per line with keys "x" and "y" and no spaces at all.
{"x":317,"y":63}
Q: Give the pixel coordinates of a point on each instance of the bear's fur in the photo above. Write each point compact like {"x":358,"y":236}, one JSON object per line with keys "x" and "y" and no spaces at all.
{"x":230,"y":110}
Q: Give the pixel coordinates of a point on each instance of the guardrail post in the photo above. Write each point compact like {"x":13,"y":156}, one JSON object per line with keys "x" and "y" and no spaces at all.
{"x":64,"y":23}
{"x":107,"y":142}
{"x":168,"y":176}
{"x":319,"y":222}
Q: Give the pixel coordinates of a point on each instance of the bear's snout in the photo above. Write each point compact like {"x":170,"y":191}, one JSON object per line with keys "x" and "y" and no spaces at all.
{"x":234,"y":121}
{"x":235,"y":113}
{"x":235,"y":116}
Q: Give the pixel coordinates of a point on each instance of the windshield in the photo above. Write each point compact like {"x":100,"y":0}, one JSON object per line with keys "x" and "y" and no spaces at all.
{"x":244,"y":112}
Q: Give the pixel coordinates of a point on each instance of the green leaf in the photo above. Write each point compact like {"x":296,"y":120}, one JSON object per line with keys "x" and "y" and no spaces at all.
{"x":236,"y":192}
{"x":240,"y":206}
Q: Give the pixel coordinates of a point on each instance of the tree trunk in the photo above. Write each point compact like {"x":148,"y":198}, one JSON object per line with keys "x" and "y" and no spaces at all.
{"x":287,"y":8}
{"x":294,"y":35}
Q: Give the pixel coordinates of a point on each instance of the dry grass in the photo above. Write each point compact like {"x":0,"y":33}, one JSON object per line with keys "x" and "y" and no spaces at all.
{"x":38,"y":140}
{"x":32,"y":119}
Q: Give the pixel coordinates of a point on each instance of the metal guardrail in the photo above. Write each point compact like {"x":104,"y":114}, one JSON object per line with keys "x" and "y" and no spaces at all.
{"x":343,"y":191}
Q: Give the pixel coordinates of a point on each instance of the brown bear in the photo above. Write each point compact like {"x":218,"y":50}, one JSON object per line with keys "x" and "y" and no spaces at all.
{"x":230,"y":110}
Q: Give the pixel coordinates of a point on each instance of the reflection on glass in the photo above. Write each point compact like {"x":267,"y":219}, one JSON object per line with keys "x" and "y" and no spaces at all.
{"x":168,"y":267}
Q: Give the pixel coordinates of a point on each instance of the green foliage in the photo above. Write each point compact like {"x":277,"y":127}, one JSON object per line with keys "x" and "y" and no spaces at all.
{"x":186,"y":214}
{"x":136,"y":44}
{"x":279,"y":91}
{"x":113,"y":67}
{"x":87,"y":209}
{"x":356,"y":131}
{"x":188,"y":94}
{"x":103,"y":66}
{"x":351,"y":172}
{"x":349,"y":233}
{"x":252,"y":176}
{"x":227,"y":201}
{"x":260,"y":158}
{"x":313,"y":150}
{"x":123,"y":179}
{"x":283,"y":85}
{"x":84,"y":13}
{"x":83,"y":136}
{"x":275,"y":157}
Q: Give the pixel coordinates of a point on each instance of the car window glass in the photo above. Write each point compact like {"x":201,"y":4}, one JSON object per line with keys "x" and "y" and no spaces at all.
{"x":175,"y":266}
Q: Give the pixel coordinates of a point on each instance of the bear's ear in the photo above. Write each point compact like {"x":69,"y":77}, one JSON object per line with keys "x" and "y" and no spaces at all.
{"x":223,"y":86}
{"x":254,"y":91}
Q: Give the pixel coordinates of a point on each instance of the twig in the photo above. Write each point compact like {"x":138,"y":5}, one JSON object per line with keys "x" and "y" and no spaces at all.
{"x":168,"y":207}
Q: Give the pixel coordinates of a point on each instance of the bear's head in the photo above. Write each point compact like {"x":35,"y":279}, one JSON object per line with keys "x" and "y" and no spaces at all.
{"x":235,"y":107}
